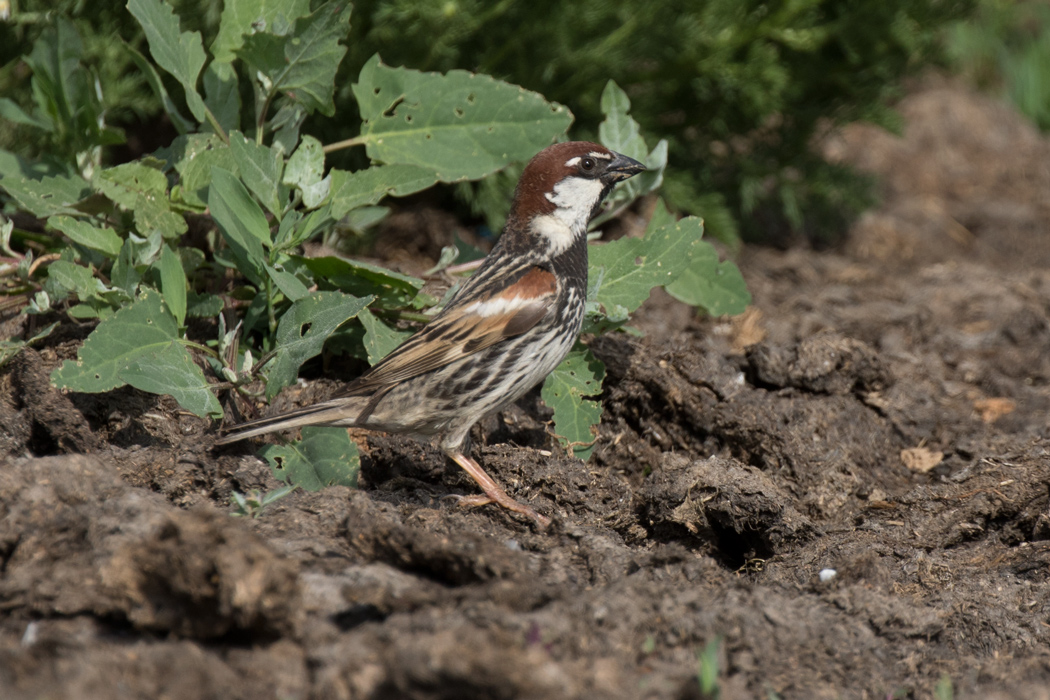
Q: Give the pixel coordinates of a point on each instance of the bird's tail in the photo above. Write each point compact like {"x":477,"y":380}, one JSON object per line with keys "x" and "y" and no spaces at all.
{"x":341,"y":412}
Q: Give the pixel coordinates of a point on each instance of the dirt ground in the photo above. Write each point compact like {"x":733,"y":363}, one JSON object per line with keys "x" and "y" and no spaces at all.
{"x":849,"y":486}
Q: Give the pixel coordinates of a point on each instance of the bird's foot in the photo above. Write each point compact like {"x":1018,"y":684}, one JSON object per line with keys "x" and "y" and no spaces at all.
{"x":493,"y":492}
{"x":469,"y":501}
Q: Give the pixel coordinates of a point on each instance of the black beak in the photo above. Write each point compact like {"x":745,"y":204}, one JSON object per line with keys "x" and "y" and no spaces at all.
{"x":621,"y":167}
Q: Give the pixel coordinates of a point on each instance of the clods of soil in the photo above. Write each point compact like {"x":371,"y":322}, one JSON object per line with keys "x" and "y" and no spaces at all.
{"x":847,"y":490}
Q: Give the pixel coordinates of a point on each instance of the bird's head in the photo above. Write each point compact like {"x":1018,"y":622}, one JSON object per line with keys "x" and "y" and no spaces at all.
{"x":561,"y":189}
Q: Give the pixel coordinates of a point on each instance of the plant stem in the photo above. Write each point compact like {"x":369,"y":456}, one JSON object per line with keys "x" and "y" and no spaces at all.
{"x":269,"y":304}
{"x":197,"y":346}
{"x":215,"y":125}
{"x":261,"y":121}
{"x":348,"y":143}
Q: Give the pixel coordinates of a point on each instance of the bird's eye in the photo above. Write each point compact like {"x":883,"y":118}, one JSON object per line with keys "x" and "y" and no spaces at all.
{"x":587,"y":164}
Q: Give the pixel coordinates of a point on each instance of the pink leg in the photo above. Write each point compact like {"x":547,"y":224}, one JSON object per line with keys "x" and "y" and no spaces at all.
{"x":493,"y":492}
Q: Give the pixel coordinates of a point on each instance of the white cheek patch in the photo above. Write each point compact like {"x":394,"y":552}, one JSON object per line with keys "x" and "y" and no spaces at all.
{"x":575,"y":198}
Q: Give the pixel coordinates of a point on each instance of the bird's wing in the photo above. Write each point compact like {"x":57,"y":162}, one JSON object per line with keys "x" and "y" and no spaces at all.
{"x":471,"y":324}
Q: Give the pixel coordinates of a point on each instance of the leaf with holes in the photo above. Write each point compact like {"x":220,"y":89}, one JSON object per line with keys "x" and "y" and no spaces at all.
{"x":461,"y":125}
{"x":302,"y":63}
{"x":47,"y":196}
{"x":193,"y":156}
{"x":143,"y":327}
{"x":240,"y":17}
{"x":172,"y":371}
{"x":305,"y":170}
{"x":324,"y":457}
{"x":580,"y":374}
{"x":351,"y":190}
{"x":622,"y":273}
{"x":142,"y":187}
{"x":303,"y":329}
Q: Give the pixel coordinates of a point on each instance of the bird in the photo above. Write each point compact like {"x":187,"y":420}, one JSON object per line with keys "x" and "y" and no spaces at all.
{"x":508,"y":327}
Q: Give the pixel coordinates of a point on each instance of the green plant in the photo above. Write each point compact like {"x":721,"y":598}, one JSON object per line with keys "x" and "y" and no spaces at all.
{"x":253,"y":503}
{"x":121,"y":252}
{"x":708,"y":669}
{"x":944,"y":690}
{"x":1006,"y":47}
{"x":740,"y":88}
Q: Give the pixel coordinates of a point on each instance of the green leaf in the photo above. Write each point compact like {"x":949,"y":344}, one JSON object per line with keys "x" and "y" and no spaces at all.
{"x":65,"y":278}
{"x":172,"y":371}
{"x":241,"y":221}
{"x":288,"y":283}
{"x":324,"y":457}
{"x":9,"y":348}
{"x":303,"y":63}
{"x":623,"y":272}
{"x":240,"y":17}
{"x":222,"y":95}
{"x":718,"y":288}
{"x":125,"y":275}
{"x":305,"y":170}
{"x":47,"y":196}
{"x":306,"y":165}
{"x":142,"y":188}
{"x":303,"y":329}
{"x":203,"y":305}
{"x":104,"y":240}
{"x":193,"y":156}
{"x":286,"y":124}
{"x":580,"y":374}
{"x":181,"y":123}
{"x":380,"y":339}
{"x":179,"y":53}
{"x":261,"y":168}
{"x":621,"y":133}
{"x":66,"y":93}
{"x":460,"y":125}
{"x":10,"y":111}
{"x":362,"y":279}
{"x":173,"y":283}
{"x":351,"y":190}
{"x":138,"y":329}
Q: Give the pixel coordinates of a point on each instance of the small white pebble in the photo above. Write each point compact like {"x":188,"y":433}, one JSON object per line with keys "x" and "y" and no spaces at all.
{"x":513,"y":545}
{"x":827,"y":574}
{"x":30,"y":635}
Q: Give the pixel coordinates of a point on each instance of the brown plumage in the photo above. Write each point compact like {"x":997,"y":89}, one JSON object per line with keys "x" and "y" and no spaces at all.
{"x":505,"y":330}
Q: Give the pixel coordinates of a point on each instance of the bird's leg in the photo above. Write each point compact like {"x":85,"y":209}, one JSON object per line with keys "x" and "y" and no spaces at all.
{"x":493,"y":492}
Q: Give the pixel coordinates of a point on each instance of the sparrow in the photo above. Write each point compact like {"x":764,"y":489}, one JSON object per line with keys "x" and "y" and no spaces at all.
{"x":502,"y":333}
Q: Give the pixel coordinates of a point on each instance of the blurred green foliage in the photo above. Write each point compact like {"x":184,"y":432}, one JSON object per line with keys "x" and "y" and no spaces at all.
{"x":740,"y":88}
{"x":1006,"y":48}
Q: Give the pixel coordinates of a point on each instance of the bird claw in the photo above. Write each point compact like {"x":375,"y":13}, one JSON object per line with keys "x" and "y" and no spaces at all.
{"x":507,"y":502}
{"x":468,"y":501}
